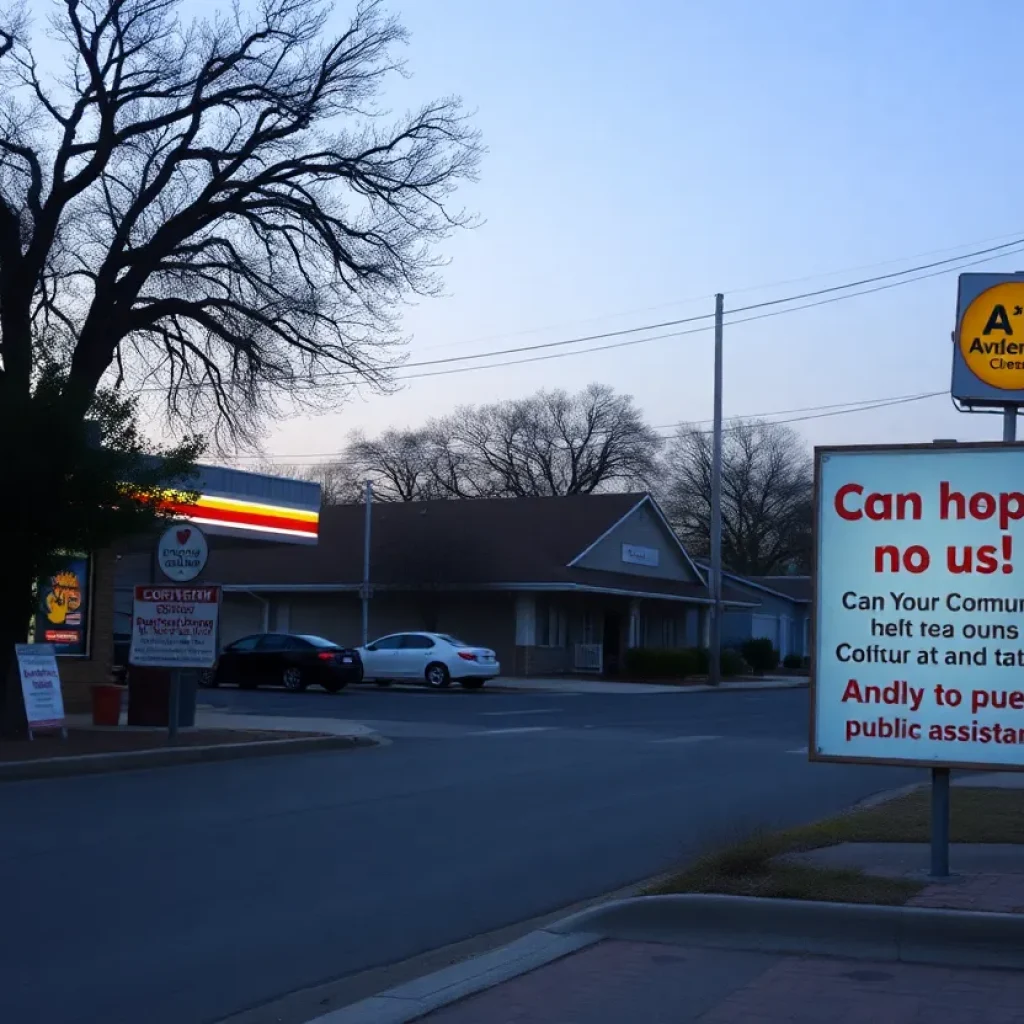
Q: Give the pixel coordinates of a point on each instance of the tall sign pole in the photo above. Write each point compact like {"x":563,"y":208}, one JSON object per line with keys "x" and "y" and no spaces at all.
{"x":365,"y":590}
{"x":988,"y":376}
{"x":715,"y":581}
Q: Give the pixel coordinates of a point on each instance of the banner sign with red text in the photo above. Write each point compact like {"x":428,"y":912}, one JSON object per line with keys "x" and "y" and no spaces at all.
{"x":919,"y":606}
{"x":175,"y":626}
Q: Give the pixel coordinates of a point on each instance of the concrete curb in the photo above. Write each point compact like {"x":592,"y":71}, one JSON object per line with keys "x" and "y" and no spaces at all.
{"x":955,"y":938}
{"x":93,"y":764}
{"x":424,"y":995}
{"x":917,"y":935}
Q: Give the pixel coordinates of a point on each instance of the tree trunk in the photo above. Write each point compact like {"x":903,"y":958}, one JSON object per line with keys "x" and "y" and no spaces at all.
{"x":15,"y":602}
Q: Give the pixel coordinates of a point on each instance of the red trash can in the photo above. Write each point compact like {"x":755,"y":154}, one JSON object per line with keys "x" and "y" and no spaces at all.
{"x":106,"y":704}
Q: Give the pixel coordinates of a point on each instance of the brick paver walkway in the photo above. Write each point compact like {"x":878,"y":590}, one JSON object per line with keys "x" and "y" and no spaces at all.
{"x":647,"y":983}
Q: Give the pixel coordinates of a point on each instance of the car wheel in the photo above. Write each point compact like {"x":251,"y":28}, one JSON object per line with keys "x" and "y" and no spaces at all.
{"x":472,"y":684}
{"x":437,"y":676}
{"x":292,"y":679}
{"x":208,"y":679}
{"x":332,"y":684}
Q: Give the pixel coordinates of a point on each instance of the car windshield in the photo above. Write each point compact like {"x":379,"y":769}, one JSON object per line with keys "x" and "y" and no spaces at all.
{"x":454,"y":641}
{"x":317,"y":641}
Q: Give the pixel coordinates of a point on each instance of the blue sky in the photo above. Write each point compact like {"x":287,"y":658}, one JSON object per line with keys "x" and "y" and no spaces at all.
{"x":644,"y":154}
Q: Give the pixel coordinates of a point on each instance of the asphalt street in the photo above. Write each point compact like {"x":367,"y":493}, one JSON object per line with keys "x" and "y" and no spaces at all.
{"x":183,"y":895}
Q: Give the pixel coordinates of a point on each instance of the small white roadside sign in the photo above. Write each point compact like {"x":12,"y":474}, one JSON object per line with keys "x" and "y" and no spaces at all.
{"x":175,"y":627}
{"x":40,"y":685}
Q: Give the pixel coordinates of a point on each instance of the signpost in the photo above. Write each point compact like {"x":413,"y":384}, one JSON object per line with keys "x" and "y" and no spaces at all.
{"x":40,"y":687}
{"x":988,"y":346}
{"x":176,"y":627}
{"x":182,"y":552}
{"x":919,"y":612}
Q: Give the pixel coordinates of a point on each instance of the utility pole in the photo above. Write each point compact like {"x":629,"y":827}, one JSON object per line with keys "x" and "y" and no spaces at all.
{"x":365,"y":590}
{"x":715,"y":581}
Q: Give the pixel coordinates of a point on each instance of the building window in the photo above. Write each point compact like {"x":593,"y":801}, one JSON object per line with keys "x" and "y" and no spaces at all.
{"x":669,"y":632}
{"x":551,"y":624}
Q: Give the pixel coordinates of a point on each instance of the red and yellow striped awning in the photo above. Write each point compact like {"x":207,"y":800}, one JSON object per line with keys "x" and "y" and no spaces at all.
{"x":237,"y":517}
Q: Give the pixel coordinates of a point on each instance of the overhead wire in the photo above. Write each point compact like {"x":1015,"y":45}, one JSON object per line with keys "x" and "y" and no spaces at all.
{"x":881,"y":282}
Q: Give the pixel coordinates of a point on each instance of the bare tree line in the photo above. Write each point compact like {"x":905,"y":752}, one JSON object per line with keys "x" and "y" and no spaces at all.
{"x":556,"y":443}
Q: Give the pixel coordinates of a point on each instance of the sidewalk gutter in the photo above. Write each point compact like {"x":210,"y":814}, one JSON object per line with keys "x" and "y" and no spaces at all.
{"x":92,"y":764}
{"x":424,"y":995}
{"x":952,"y":938}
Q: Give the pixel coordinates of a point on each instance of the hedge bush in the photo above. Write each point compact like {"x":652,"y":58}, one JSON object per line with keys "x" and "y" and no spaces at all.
{"x":666,"y":663}
{"x":760,"y":655}
{"x":733,"y":663}
{"x":680,"y":662}
{"x":792,"y":661}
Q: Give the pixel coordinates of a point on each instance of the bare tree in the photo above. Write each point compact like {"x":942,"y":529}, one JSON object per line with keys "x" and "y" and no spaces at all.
{"x":399,"y":462}
{"x":556,"y":443}
{"x":338,"y":484}
{"x":767,"y":495}
{"x":216,"y":212}
{"x":548,"y":444}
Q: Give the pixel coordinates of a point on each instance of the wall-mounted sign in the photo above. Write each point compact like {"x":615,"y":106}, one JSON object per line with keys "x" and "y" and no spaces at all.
{"x":634,"y":554}
{"x":62,"y":611}
{"x":918,"y":614}
{"x":175,"y":627}
{"x":182,"y":552}
{"x":40,"y":685}
{"x":988,"y":343}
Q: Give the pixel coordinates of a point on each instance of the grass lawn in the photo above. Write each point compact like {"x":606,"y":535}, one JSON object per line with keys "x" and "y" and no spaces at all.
{"x":748,"y":868}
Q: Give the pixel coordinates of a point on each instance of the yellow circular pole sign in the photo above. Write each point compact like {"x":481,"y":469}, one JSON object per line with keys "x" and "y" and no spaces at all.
{"x":992,"y":336}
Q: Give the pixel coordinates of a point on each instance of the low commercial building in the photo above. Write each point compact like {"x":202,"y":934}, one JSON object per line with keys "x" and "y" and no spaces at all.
{"x":85,"y":608}
{"x":782,"y":613}
{"x":551,"y":584}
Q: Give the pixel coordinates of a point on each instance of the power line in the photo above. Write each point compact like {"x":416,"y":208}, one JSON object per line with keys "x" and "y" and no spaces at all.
{"x":730,"y":291}
{"x":893,"y":279}
{"x":696,"y":330}
{"x":815,"y":412}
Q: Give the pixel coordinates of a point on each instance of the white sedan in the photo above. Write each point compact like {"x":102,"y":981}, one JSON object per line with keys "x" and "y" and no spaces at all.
{"x":432,"y":658}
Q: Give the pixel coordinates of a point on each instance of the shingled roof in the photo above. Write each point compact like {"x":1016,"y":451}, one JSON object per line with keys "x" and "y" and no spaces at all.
{"x":478,"y":542}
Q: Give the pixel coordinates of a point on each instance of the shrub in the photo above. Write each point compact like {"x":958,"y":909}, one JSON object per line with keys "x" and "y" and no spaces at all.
{"x":733,"y":663}
{"x":760,"y":654}
{"x":792,"y":661}
{"x":666,"y":663}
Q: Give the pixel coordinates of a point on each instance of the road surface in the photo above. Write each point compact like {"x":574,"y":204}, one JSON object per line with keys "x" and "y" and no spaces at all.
{"x":183,"y":895}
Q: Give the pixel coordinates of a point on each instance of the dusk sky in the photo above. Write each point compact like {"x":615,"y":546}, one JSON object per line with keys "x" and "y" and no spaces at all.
{"x":643,"y":155}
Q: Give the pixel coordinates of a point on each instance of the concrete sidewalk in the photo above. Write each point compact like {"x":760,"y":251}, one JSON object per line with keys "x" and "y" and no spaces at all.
{"x":595,"y":686}
{"x":723,"y":959}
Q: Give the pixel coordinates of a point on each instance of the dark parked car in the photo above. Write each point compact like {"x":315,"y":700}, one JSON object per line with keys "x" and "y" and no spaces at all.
{"x":291,"y":660}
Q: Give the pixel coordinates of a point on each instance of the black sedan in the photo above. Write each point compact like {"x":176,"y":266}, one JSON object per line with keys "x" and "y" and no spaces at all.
{"x":291,"y":660}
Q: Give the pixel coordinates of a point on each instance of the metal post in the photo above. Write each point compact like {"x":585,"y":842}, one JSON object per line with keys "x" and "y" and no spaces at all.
{"x":366,"y":563}
{"x":174,"y":706}
{"x":715,"y":580}
{"x":1009,"y":422}
{"x":940,"y":823}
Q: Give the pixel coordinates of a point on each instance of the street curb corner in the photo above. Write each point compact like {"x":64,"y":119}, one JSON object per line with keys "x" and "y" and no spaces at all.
{"x":416,"y":998}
